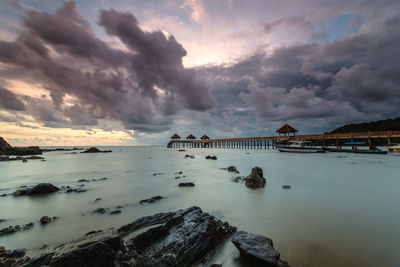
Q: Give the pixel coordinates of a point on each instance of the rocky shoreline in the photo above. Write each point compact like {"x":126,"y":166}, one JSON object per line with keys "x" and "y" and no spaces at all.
{"x":181,"y":238}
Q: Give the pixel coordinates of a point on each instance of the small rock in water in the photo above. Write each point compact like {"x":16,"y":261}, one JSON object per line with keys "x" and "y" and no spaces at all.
{"x":181,"y":150}
{"x":180,"y":172}
{"x":255,"y":179}
{"x":24,"y":160}
{"x":189,"y":184}
{"x":189,"y":156}
{"x":3,"y":195}
{"x":2,"y":220}
{"x":151,"y":200}
{"x":43,"y":188}
{"x":257,"y":249}
{"x":96,"y":150}
{"x":97,"y":199}
{"x":286,"y":186}
{"x":80,"y":190}
{"x":237,"y":179}
{"x":45,"y":220}
{"x":83,"y":181}
{"x":100,"y":210}
{"x":115,"y":212}
{"x":211,"y":157}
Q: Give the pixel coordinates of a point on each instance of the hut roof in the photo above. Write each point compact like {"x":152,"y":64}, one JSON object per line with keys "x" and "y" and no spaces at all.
{"x":175,"y":136}
{"x":204,"y":137}
{"x":286,"y":129}
{"x":191,"y":136}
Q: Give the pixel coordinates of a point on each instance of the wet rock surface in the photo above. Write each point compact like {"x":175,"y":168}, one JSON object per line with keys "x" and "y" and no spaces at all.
{"x":189,"y":184}
{"x":151,"y":200}
{"x":45,"y":220}
{"x":12,"y":257}
{"x":257,"y":249}
{"x":43,"y":188}
{"x":165,"y":239}
{"x":96,"y":150}
{"x":255,"y":179}
{"x":12,"y":229}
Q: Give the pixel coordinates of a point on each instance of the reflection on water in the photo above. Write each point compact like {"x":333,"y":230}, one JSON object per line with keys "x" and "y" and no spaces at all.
{"x":341,"y":210}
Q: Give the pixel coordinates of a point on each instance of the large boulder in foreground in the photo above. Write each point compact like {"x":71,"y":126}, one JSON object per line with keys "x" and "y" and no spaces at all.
{"x":255,"y":179}
{"x":258,"y":249}
{"x":165,"y":239}
{"x":43,"y":188}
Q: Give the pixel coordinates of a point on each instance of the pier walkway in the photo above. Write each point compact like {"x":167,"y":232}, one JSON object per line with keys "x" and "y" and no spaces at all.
{"x":272,"y":141}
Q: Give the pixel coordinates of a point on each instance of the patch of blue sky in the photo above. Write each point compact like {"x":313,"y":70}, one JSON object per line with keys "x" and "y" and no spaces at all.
{"x":338,"y":27}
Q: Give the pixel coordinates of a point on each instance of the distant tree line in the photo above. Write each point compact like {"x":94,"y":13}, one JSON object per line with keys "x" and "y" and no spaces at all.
{"x":383,"y":125}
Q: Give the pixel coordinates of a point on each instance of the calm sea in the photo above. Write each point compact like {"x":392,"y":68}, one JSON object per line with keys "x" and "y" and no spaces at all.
{"x":342,"y":210}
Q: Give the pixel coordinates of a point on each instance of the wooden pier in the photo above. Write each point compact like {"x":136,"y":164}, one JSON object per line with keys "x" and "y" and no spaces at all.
{"x":272,"y":141}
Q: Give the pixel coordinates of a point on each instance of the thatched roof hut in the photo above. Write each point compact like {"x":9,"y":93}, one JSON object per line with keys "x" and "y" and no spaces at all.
{"x":204,"y":137}
{"x":286,"y":130}
{"x":175,"y":136}
{"x":191,"y":136}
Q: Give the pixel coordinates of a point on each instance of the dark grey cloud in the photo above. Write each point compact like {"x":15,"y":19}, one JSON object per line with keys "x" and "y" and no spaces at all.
{"x":317,"y":85}
{"x":9,"y":101}
{"x":142,"y":85}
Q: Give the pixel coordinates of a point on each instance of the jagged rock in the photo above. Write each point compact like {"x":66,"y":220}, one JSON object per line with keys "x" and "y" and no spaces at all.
{"x":211,"y":157}
{"x":43,"y":188}
{"x":165,"y":239}
{"x":96,"y":150}
{"x":189,"y":184}
{"x":255,"y":179}
{"x":257,"y":249}
{"x":286,"y":187}
{"x":151,"y":200}
{"x":45,"y":220}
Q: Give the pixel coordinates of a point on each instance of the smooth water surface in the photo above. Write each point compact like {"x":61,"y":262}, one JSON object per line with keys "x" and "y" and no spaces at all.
{"x":342,"y":209}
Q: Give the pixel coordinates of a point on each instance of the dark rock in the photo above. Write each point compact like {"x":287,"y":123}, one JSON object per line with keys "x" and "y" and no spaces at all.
{"x":43,"y":188}
{"x":83,"y":181}
{"x":286,"y":186}
{"x":24,"y":160}
{"x":16,"y":228}
{"x":180,"y":172}
{"x":238,"y":179}
{"x":96,"y":150}
{"x":97,"y":199}
{"x":177,"y":177}
{"x":181,"y":150}
{"x":165,"y":239}
{"x":189,"y":156}
{"x":257,"y":249}
{"x":2,"y":220}
{"x":80,"y":190}
{"x":186,"y":184}
{"x":158,"y":173}
{"x":20,"y":192}
{"x":255,"y":179}
{"x":100,"y":210}
{"x":3,"y":195}
{"x":211,"y":157}
{"x":231,"y":169}
{"x":17,"y":253}
{"x":115,"y":212}
{"x":69,"y":190}
{"x":151,"y":200}
{"x":45,"y":220}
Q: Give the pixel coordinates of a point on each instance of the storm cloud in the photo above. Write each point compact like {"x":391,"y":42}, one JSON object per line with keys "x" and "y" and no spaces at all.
{"x":9,"y":101}
{"x":141,"y":83}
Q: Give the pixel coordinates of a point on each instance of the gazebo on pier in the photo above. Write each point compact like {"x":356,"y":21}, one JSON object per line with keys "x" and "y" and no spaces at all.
{"x":204,"y":137}
{"x":175,"y":137}
{"x":286,"y":130}
{"x":191,"y":137}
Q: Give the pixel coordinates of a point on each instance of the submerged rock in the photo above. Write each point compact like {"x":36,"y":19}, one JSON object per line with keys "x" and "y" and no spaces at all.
{"x":231,"y":169}
{"x":165,"y":239}
{"x":43,"y":188}
{"x":16,"y":228}
{"x":189,"y":156}
{"x":211,"y":157}
{"x":258,"y":249}
{"x":100,"y":211}
{"x":96,"y":150}
{"x":115,"y":212}
{"x":255,"y":179}
{"x":286,"y":187}
{"x":189,"y":184}
{"x":151,"y":200}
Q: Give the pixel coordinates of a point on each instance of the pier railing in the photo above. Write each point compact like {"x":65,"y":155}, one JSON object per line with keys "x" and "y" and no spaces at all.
{"x":272,"y":141}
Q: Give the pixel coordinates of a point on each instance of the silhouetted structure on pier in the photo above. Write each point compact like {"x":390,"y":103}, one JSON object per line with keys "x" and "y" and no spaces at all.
{"x":330,"y":139}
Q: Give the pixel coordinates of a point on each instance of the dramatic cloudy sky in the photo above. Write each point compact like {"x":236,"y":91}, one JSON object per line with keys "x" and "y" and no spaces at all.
{"x":134,"y":72}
